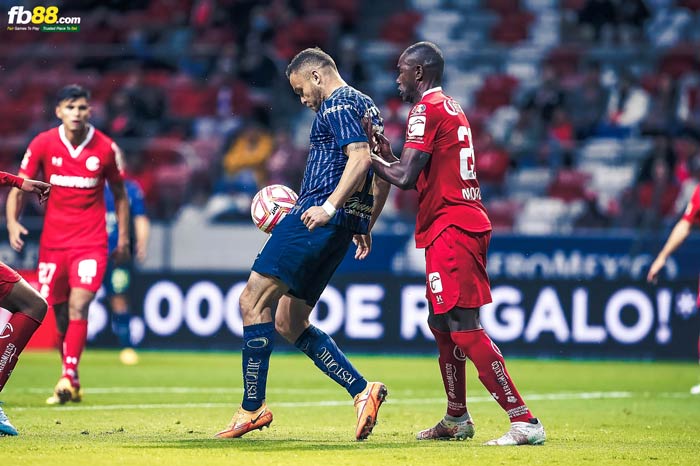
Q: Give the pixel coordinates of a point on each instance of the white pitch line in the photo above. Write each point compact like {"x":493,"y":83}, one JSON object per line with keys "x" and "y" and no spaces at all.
{"x":304,"y":404}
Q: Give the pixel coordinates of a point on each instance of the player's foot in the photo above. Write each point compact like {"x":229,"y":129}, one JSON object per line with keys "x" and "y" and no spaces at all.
{"x":64,"y":392}
{"x":367,"y":404}
{"x":448,"y":429}
{"x":245,"y":421}
{"x":695,"y":389}
{"x":522,"y":433}
{"x":5,"y":427}
{"x":128,"y":357}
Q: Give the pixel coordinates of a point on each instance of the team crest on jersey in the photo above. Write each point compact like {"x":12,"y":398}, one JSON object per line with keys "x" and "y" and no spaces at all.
{"x":452,"y":107}
{"x":418,"y":109}
{"x":416,"y":127}
{"x":92,"y":163}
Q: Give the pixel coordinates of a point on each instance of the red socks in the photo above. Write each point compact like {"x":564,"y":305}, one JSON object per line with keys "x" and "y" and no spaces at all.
{"x":13,"y":338}
{"x":452,"y":366}
{"x":73,"y":346}
{"x":492,"y":372}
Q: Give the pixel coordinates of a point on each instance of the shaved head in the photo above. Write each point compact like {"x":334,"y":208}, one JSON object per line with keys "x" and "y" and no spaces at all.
{"x":428,"y":55}
{"x":420,"y":68}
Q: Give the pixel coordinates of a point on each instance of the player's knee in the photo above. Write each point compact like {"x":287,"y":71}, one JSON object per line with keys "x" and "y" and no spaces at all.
{"x":37,"y":307}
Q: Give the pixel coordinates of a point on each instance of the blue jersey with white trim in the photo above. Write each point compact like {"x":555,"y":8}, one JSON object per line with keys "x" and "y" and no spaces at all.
{"x":338,"y":123}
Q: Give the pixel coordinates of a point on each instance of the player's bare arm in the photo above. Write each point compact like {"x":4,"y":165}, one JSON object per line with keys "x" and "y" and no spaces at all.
{"x":40,"y":188}
{"x":403,"y":172}
{"x":679,"y":233}
{"x":13,"y":210}
{"x":353,"y":176}
{"x":121,"y":207}
{"x":142,"y":231}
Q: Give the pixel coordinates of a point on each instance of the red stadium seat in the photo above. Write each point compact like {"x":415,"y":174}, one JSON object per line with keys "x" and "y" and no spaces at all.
{"x":569,"y":185}
{"x":679,"y":60}
{"x":502,"y":213}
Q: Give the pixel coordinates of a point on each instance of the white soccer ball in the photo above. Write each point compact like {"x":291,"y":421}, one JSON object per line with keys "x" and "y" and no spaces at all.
{"x":270,"y":205}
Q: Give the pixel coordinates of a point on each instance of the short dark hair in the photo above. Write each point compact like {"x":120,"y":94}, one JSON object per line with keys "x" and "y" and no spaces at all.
{"x":311,"y":56}
{"x":72,"y":92}
{"x":427,"y":54}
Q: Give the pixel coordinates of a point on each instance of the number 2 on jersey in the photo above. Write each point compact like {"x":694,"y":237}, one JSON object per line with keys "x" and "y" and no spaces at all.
{"x":466,"y":154}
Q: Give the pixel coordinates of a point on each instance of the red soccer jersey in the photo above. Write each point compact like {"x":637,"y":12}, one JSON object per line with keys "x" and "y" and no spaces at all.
{"x":692,"y":212}
{"x":75,"y":211}
{"x":448,"y":192}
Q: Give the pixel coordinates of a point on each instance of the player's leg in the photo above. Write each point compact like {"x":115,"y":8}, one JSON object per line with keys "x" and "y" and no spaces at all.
{"x":85,"y":269}
{"x":28,"y":310}
{"x":292,"y":323}
{"x":257,"y":299}
{"x":457,"y":423}
{"x":118,"y":284}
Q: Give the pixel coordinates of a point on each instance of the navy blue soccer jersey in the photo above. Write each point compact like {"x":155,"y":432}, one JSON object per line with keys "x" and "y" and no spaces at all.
{"x":136,"y":208}
{"x":338,"y":123}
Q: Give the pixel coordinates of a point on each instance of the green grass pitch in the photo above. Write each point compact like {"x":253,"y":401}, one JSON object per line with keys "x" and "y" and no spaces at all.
{"x":165,"y":411}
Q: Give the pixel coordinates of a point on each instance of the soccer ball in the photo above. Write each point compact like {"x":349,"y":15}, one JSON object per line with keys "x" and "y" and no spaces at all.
{"x":270,"y":205}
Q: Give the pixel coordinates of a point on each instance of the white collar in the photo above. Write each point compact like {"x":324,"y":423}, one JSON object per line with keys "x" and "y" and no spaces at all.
{"x":434,"y":89}
{"x":75,"y":152}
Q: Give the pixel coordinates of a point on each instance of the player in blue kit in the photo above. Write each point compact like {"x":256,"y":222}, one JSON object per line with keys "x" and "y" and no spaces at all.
{"x":117,"y":280}
{"x":339,"y":202}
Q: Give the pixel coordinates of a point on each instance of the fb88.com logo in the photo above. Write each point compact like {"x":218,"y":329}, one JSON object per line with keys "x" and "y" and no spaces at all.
{"x":38,"y":15}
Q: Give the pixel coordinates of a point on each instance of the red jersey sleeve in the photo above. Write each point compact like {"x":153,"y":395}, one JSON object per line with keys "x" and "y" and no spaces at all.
{"x":692,"y":212}
{"x":114,"y":168}
{"x":422,"y":126}
{"x":32,"y":158}
{"x":7,"y":179}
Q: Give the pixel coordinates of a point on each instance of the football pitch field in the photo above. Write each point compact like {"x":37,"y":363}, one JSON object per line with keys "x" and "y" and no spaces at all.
{"x":165,"y":411}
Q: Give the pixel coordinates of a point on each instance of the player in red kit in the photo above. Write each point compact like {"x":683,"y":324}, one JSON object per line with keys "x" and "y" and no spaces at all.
{"x":76,"y":159}
{"x":453,"y":227}
{"x":24,"y":302}
{"x":679,"y":233}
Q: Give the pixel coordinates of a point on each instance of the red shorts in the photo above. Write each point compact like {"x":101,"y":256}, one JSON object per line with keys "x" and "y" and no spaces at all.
{"x":60,"y":270}
{"x":8,"y":278}
{"x":455,"y":266}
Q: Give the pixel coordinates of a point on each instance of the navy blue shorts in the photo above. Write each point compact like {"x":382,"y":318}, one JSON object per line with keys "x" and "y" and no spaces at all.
{"x":304,"y":261}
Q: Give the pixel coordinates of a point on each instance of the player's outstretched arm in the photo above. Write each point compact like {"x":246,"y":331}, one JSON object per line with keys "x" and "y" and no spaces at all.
{"x":39,"y":187}
{"x":13,"y":209}
{"x":404,"y":172}
{"x":679,"y":233}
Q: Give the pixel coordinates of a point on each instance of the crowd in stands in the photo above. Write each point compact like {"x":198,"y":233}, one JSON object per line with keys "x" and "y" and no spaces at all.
{"x":585,"y":113}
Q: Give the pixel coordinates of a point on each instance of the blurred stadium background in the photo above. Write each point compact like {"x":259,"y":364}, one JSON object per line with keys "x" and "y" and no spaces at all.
{"x":586,"y":116}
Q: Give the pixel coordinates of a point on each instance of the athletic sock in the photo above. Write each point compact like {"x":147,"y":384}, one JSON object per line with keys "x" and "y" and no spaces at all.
{"x":453,"y":370}
{"x":492,"y":372}
{"x":13,"y":338}
{"x":120,"y":327}
{"x":326,"y":355}
{"x":73,"y":346}
{"x":258,"y":343}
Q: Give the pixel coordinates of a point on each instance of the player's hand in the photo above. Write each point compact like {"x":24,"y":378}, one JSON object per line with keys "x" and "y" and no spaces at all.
{"x":364,"y":245}
{"x":655,"y":268}
{"x":121,"y":253}
{"x":15,"y":230}
{"x":39,"y":187}
{"x":383,"y":148}
{"x":315,"y":217}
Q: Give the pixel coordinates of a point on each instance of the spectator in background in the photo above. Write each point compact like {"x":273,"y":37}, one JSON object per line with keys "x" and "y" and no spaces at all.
{"x":560,"y":138}
{"x":628,"y":105}
{"x":662,"y":116}
{"x":597,"y":20}
{"x":655,"y":198}
{"x":586,"y":102}
{"x":548,"y":96}
{"x":631,"y":15}
{"x":250,"y":149}
{"x":523,"y":139}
